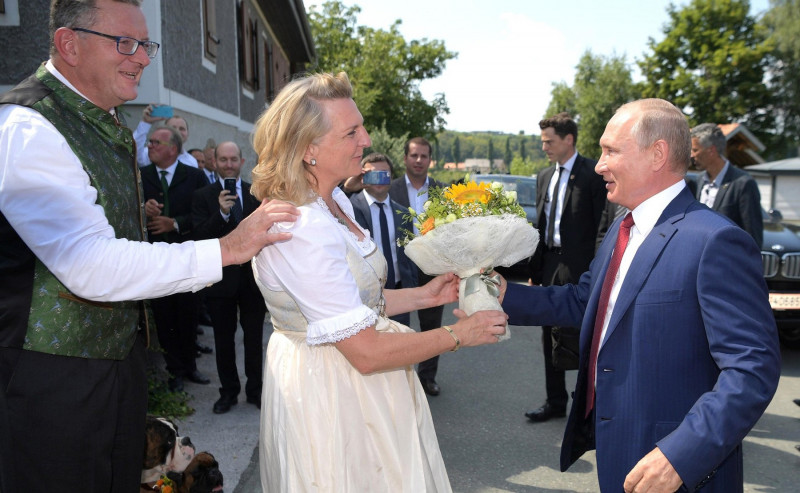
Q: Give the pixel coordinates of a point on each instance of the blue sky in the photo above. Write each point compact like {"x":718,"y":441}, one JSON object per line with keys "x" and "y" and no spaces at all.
{"x":511,"y":51}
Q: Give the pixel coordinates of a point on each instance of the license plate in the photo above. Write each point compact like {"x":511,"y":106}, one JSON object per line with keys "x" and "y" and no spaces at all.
{"x":784,"y":301}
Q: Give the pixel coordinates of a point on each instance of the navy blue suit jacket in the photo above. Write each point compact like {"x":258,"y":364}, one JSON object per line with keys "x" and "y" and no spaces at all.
{"x":407,"y":268}
{"x":690,"y":360}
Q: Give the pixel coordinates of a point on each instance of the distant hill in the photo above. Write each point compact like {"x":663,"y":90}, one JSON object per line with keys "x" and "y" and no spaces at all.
{"x":451,"y":146}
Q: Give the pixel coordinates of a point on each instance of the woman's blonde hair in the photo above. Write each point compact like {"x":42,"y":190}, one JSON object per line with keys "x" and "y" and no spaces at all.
{"x":282,"y":134}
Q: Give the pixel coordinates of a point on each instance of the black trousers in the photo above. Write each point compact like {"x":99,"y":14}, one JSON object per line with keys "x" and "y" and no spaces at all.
{"x":429,"y":319}
{"x":176,"y":317}
{"x":251,"y":313}
{"x":554,"y":273}
{"x":71,"y":424}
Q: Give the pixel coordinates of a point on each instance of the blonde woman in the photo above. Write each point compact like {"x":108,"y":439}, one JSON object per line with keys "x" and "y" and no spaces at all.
{"x":342,"y":408}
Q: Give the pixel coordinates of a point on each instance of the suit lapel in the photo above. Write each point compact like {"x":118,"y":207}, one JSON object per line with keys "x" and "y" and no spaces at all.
{"x":249,"y":203}
{"x":577,"y":168}
{"x":180,"y":176}
{"x":397,"y":190}
{"x":646,"y":257}
{"x":543,"y":186}
{"x":724,"y":187}
{"x":150,"y":173}
{"x":362,"y":205}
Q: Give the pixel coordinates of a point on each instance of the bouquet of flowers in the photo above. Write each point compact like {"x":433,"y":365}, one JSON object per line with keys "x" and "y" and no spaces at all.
{"x":469,"y":229}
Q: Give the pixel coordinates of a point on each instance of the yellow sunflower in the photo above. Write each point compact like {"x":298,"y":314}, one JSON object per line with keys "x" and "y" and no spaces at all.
{"x":468,"y":193}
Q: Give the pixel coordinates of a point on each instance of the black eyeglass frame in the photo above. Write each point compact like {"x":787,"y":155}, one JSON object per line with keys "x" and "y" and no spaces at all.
{"x":144,"y":44}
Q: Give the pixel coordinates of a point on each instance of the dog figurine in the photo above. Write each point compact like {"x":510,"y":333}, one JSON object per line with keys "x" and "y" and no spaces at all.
{"x":164,"y":451}
{"x":202,"y":475}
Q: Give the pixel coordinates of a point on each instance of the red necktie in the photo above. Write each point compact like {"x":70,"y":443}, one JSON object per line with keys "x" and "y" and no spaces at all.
{"x":602,"y":307}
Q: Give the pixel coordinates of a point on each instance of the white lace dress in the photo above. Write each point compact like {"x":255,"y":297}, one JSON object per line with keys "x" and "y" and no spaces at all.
{"x":325,"y":427}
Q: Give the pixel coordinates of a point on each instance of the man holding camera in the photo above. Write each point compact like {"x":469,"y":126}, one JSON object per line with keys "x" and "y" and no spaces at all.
{"x":216,"y":210}
{"x":375,"y":211}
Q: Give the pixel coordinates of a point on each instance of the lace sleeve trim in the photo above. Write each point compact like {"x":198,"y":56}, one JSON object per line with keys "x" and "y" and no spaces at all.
{"x":369,"y":317}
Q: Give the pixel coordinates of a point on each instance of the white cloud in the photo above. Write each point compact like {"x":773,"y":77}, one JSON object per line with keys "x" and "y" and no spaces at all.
{"x":502,"y":81}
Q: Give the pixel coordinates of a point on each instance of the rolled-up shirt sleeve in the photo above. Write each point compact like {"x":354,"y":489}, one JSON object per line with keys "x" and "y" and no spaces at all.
{"x":46,"y":197}
{"x":313,"y":269}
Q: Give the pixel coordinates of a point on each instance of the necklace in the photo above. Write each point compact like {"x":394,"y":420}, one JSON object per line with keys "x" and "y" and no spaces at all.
{"x":340,"y":219}
{"x":333,"y":211}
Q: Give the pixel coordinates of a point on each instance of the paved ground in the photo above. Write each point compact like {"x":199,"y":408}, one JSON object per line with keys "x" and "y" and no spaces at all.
{"x":487,"y":444}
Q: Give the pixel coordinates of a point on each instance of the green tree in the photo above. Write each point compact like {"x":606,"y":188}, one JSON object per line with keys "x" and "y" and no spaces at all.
{"x":711,"y":64}
{"x":527,"y":167}
{"x":522,"y":152}
{"x":601,"y":85}
{"x":783,"y":23}
{"x":490,"y":152}
{"x":508,"y":156}
{"x":457,"y":150}
{"x":562,"y":100}
{"x":390,"y":146}
{"x":384,"y":68}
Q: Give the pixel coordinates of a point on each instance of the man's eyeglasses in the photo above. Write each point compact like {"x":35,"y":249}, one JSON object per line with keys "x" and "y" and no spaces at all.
{"x":154,"y":142}
{"x":126,"y":45}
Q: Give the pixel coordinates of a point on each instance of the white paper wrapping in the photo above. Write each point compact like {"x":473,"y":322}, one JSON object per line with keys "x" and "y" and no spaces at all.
{"x":470,"y":244}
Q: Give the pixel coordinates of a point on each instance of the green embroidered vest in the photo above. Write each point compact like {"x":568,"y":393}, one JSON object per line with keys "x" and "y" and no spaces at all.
{"x":58,"y":321}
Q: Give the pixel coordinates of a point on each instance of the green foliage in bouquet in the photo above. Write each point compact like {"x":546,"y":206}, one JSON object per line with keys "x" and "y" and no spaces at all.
{"x":460,"y":200}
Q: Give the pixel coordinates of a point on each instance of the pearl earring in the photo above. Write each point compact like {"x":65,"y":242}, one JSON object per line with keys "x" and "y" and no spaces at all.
{"x":313,"y":162}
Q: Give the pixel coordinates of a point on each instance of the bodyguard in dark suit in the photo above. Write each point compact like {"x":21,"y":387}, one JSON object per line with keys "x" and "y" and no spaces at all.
{"x":168,"y":187}
{"x":569,"y":203}
{"x":679,"y":352}
{"x":724,"y":187}
{"x":216,"y":212}
{"x":367,"y":209}
{"x":411,"y":190}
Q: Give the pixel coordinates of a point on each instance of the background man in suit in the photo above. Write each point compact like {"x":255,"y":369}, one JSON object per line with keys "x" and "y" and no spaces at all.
{"x":215,"y":212}
{"x":367,"y":207}
{"x":411,"y":190}
{"x":569,"y":203}
{"x":168,"y":187}
{"x":146,"y":125}
{"x":723,"y":187}
{"x":679,"y":352}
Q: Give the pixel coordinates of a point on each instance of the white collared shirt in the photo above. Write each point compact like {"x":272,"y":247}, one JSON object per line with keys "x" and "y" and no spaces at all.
{"x":416,"y":197}
{"x":561,"y":185}
{"x":170,"y":172}
{"x":708,"y":192}
{"x":374,"y":211}
{"x":47,"y":198}
{"x":645,"y":217}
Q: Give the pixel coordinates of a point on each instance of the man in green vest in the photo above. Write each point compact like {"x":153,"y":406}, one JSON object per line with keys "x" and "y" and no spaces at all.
{"x":73,"y":389}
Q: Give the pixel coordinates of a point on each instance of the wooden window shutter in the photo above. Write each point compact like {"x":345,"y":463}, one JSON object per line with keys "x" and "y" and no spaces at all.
{"x":211,"y":39}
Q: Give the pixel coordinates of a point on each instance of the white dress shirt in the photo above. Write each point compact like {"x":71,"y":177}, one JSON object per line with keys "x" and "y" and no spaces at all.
{"x":313,"y":268}
{"x":416,"y":197}
{"x":374,"y":211}
{"x":644,"y":220}
{"x":709,"y":189}
{"x":46,"y":197}
{"x":561,"y":186}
